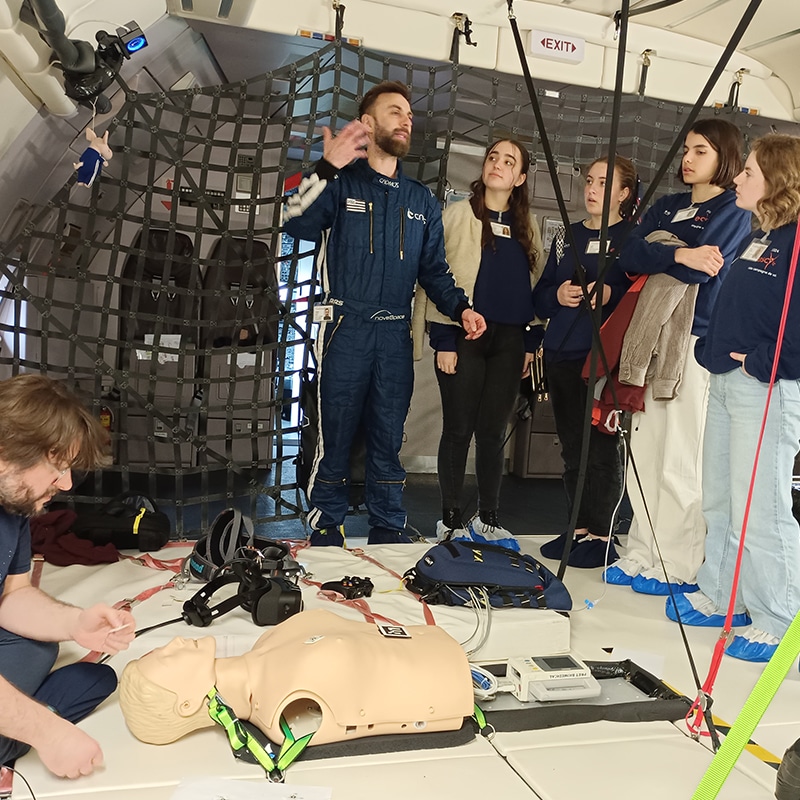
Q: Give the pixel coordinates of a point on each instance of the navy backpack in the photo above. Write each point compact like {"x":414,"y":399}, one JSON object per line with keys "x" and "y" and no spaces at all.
{"x":448,"y":571}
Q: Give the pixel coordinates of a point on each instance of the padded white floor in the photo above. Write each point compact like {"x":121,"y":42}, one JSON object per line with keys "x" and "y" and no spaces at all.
{"x":601,"y":760}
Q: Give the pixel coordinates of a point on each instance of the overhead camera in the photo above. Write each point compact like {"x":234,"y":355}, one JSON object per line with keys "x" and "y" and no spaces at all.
{"x":87,"y":70}
{"x":129,"y":39}
{"x":132,"y":38}
{"x":112,"y":49}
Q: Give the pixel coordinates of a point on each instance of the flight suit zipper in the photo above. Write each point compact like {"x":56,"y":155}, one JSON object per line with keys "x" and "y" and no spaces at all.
{"x":370,"y":228}
{"x":402,"y":230}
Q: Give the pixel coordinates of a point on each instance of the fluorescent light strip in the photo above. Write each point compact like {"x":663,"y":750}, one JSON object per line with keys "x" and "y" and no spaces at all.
{"x":696,"y":14}
{"x":779,"y":38}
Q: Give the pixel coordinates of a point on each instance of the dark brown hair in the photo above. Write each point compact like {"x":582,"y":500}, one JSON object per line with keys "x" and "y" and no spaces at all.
{"x":778,"y":157}
{"x":625,"y":169}
{"x":519,"y":203}
{"x":386,"y":87}
{"x":726,"y":139}
{"x":42,"y":420}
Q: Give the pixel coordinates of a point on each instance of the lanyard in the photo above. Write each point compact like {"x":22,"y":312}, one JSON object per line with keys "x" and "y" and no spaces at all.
{"x":241,"y":740}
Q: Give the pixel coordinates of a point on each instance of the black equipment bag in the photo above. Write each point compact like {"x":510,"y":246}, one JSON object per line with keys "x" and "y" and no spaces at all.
{"x":130,"y":521}
{"x":448,"y":571}
{"x":231,"y":540}
{"x":309,"y":436}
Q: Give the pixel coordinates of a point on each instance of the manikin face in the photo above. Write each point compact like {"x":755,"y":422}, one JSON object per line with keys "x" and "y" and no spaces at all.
{"x":750,"y":185}
{"x":390,"y":121}
{"x":502,"y":169}
{"x":184,"y":666}
{"x":27,"y":491}
{"x":594,"y":191}
{"x":700,"y":160}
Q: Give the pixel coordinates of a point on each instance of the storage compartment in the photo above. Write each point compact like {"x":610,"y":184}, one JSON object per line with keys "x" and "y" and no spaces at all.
{"x":537,"y":448}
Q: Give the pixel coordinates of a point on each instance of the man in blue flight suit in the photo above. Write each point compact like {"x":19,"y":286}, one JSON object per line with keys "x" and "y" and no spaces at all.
{"x":379,"y":233}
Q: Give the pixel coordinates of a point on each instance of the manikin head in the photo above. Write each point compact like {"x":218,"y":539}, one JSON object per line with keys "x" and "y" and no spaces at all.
{"x":162,"y":695}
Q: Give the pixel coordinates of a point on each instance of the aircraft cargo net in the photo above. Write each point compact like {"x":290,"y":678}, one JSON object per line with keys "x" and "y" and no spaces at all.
{"x":167,"y":296}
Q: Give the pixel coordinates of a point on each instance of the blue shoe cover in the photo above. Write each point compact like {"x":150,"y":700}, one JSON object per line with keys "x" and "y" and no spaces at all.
{"x":746,"y":650}
{"x":691,"y":616}
{"x":483,"y":533}
{"x":656,"y":587}
{"x":617,"y":576}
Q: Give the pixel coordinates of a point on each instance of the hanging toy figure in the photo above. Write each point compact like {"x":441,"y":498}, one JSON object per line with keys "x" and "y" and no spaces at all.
{"x":94,"y":158}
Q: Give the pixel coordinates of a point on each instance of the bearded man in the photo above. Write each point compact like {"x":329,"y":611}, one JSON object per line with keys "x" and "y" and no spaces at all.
{"x":45,"y":432}
{"x":379,"y":233}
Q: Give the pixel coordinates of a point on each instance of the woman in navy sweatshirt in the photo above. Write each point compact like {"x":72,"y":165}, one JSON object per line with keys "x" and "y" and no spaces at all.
{"x":495,"y":254}
{"x":667,"y":437}
{"x":567,"y":342}
{"x":739,"y":350}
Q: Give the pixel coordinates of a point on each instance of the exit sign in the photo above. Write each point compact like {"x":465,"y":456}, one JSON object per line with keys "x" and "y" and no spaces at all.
{"x":546,"y":44}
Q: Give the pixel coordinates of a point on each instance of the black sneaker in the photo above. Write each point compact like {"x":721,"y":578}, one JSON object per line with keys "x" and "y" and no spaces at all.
{"x":555,"y":547}
{"x":386,"y":536}
{"x":327,"y":537}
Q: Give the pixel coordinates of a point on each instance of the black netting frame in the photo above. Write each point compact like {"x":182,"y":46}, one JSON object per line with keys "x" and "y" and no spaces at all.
{"x":206,"y":168}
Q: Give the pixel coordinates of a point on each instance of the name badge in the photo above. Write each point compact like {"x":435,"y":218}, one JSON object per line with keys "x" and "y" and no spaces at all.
{"x":754,"y":250}
{"x":498,"y":229}
{"x":593,"y":246}
{"x":685,"y":213}
{"x":323,"y":313}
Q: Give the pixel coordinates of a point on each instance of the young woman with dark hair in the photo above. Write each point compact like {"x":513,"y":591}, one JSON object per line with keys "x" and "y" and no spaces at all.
{"x":495,"y":253}
{"x":667,"y":437}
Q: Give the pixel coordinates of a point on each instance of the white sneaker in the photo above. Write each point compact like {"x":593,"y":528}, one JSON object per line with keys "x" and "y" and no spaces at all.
{"x":445,"y":534}
{"x":491,"y":534}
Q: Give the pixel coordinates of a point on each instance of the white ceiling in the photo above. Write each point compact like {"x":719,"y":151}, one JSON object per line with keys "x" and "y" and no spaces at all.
{"x":773,"y":36}
{"x":421,"y":28}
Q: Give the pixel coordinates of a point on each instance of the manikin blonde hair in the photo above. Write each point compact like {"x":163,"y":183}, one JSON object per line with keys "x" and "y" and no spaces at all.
{"x":154,"y":713}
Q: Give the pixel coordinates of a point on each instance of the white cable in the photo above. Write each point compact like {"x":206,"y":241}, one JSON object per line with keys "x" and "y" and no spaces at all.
{"x":479,"y":601}
{"x":588,"y":605}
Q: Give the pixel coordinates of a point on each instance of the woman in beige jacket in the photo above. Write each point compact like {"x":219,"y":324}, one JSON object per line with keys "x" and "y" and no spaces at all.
{"x":494,"y":249}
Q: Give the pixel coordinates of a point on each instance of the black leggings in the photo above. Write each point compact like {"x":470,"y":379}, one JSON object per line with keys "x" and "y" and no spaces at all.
{"x":568,"y":393}
{"x":478,"y":400}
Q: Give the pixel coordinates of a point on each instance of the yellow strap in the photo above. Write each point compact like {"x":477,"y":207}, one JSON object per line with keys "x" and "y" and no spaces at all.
{"x":765,"y":689}
{"x":142,"y":512}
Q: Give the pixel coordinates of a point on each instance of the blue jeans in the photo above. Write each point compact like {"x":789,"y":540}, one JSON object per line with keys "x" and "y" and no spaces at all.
{"x":72,"y":691}
{"x":769,"y":583}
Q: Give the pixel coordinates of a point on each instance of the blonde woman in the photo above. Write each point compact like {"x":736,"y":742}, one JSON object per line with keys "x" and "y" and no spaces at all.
{"x":739,"y":350}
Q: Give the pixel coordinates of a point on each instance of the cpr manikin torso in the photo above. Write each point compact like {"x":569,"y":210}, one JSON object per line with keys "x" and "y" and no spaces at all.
{"x":362,"y":682}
